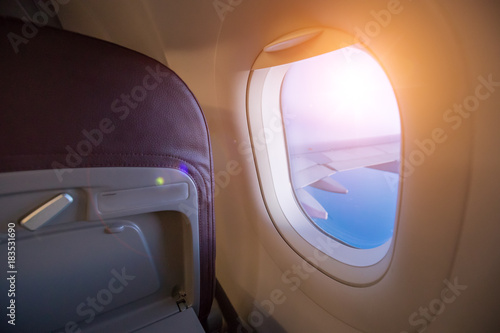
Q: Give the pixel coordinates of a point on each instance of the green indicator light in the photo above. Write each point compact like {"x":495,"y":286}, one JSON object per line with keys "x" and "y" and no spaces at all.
{"x":160,"y":181}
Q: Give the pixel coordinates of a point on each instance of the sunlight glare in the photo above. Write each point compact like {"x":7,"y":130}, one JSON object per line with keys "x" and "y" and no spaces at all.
{"x":341,"y":96}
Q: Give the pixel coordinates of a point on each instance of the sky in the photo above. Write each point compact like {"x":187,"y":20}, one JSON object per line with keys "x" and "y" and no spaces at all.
{"x":339,"y":98}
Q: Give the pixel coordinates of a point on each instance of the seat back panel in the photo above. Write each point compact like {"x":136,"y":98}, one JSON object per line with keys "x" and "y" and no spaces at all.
{"x":76,"y":103}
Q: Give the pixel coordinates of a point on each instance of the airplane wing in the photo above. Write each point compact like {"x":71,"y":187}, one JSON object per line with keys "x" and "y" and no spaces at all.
{"x":314,"y":169}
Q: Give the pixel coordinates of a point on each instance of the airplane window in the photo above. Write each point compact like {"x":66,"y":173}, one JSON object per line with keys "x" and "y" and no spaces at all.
{"x":343,"y":137}
{"x":325,"y":133}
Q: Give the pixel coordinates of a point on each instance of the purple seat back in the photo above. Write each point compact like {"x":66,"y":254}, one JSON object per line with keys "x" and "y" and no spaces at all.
{"x":71,"y":101}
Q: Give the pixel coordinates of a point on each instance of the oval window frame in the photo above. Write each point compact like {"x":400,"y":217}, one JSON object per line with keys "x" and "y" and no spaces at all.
{"x":357,"y":267}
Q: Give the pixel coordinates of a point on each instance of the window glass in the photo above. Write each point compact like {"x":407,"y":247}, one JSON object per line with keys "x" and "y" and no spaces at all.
{"x":343,"y":135}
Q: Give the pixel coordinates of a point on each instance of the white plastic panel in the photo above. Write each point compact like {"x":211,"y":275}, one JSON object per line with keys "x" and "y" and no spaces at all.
{"x":136,"y":219}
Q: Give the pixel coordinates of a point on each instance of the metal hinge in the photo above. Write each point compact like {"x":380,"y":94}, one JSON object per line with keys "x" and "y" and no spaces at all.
{"x":181,"y":300}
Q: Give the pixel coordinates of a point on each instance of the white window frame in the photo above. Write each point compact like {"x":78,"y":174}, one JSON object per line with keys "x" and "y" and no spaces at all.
{"x":344,"y":263}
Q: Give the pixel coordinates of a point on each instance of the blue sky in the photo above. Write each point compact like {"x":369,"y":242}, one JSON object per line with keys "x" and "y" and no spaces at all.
{"x":364,"y":217}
